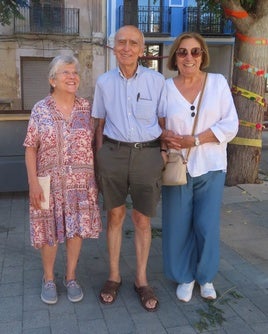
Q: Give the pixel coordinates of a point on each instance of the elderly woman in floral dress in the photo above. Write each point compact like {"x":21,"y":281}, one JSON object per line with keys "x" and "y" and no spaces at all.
{"x":59,"y":144}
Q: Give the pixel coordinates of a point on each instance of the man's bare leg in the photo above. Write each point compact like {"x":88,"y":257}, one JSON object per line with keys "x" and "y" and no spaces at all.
{"x":115,"y":220}
{"x":143,"y":238}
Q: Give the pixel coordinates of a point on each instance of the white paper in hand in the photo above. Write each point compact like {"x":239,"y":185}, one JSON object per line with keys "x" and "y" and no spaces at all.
{"x":44,"y":182}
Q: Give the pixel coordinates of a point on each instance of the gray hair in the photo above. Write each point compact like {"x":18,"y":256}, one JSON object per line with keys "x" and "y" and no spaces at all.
{"x":57,"y":62}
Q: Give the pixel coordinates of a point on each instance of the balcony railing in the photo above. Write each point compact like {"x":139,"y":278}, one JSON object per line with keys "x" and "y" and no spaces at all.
{"x":47,"y":20}
{"x":206,"y":23}
{"x":153,"y":20}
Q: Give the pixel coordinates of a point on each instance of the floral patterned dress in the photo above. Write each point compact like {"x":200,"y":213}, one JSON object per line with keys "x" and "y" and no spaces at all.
{"x":64,"y":151}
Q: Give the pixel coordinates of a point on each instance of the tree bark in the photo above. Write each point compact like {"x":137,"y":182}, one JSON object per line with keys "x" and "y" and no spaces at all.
{"x":131,"y":12}
{"x":243,"y":160}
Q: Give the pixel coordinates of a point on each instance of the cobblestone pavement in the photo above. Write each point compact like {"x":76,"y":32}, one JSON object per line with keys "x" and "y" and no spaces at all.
{"x":242,"y":281}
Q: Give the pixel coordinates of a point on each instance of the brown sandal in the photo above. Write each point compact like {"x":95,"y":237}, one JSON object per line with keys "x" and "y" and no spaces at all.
{"x":110,"y":288}
{"x":146,"y":293}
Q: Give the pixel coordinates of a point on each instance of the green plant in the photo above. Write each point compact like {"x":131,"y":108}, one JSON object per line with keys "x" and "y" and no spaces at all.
{"x":129,"y":233}
{"x":156,"y":233}
{"x":213,"y":315}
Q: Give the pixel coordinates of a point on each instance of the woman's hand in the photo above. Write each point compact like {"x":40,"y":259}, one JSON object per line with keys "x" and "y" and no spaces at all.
{"x":187,"y":141}
{"x":164,"y":156}
{"x":177,"y":141}
{"x":36,"y":195}
{"x":171,"y":139}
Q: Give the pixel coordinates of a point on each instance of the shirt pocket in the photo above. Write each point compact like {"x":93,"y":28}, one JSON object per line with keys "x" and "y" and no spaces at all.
{"x":145,"y":111}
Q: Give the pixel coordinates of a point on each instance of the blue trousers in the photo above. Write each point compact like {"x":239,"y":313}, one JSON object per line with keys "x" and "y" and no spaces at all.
{"x":191,"y":228}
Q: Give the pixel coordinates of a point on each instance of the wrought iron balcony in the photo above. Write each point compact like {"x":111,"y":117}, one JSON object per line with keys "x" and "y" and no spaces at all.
{"x":206,"y":23}
{"x":47,"y":20}
{"x":151,"y":20}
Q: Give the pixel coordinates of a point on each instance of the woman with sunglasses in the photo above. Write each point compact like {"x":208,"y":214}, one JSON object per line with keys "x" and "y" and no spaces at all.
{"x":191,"y":212}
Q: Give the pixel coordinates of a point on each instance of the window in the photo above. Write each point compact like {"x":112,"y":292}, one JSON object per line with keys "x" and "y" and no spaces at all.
{"x":152,"y":57}
{"x":34,"y":80}
{"x":176,"y":3}
{"x":192,"y":3}
{"x":149,"y":2}
{"x":149,"y":16}
{"x":47,"y":16}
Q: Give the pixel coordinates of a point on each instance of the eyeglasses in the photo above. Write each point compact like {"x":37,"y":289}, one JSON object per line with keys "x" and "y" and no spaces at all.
{"x":68,"y":74}
{"x":195,"y":52}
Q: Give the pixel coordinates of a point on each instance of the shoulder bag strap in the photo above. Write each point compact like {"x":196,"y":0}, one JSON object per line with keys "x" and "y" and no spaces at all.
{"x":196,"y":116}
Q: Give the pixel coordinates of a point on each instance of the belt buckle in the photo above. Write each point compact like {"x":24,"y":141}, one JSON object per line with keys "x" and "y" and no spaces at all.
{"x":138,"y":145}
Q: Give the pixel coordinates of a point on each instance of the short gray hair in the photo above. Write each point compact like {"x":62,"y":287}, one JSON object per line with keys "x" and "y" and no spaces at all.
{"x":57,"y":62}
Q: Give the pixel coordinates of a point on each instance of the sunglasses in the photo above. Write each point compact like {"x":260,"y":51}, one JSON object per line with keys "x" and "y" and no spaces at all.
{"x":195,"y":52}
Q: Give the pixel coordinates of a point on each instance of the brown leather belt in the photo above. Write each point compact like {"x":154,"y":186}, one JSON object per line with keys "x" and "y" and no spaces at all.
{"x":152,"y":143}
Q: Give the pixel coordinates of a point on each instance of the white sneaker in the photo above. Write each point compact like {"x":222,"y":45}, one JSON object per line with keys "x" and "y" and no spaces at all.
{"x":207,"y":291}
{"x":184,"y":291}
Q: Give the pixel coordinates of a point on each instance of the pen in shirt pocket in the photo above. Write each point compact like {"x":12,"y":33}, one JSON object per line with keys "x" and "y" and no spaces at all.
{"x":142,"y":98}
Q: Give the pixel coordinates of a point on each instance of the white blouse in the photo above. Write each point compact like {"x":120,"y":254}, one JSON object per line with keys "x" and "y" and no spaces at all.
{"x":217,"y":112}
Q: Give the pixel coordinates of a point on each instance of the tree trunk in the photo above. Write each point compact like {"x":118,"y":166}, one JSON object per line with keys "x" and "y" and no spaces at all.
{"x":131,"y":12}
{"x":245,"y":152}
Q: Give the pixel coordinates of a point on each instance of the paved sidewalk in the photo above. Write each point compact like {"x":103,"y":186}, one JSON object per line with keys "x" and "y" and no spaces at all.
{"x":242,"y":281}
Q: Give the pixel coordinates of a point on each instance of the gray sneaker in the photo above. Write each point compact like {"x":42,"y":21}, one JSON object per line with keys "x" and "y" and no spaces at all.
{"x":49,"y":292}
{"x":74,"y":290}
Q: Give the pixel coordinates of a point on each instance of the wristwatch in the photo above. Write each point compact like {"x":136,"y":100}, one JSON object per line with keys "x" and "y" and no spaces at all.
{"x":196,"y":141}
